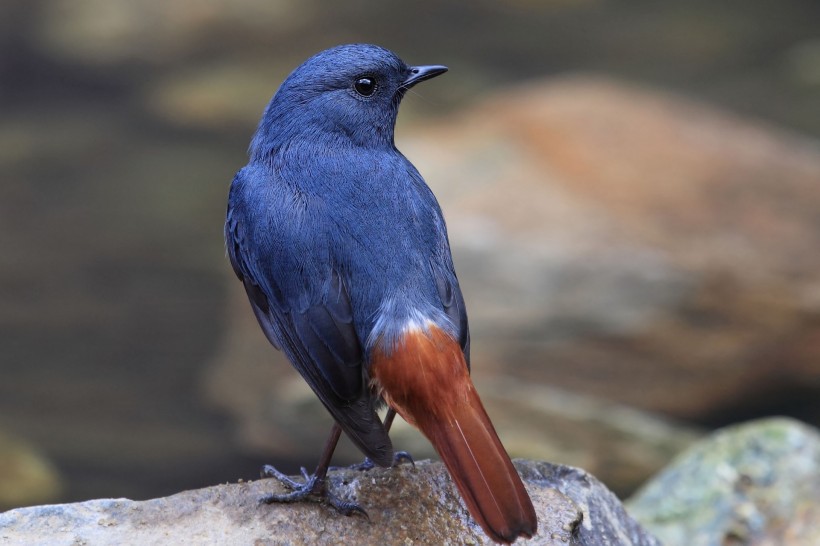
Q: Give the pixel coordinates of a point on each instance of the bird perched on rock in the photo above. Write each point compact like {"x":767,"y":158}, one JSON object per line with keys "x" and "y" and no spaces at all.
{"x":343,"y":251}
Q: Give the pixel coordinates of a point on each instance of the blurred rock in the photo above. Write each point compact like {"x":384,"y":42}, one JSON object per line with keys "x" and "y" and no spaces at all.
{"x":802,"y":63}
{"x":405,"y":506}
{"x":757,"y":483}
{"x":621,"y":445}
{"x":26,"y":476}
{"x":216,"y":96}
{"x":115,"y":31}
{"x":634,"y":245}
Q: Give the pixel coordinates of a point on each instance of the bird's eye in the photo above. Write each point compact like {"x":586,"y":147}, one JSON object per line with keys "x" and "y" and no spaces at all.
{"x":365,"y":86}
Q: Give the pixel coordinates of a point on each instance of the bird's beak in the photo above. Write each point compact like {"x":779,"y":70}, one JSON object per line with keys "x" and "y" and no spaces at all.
{"x":421,"y":73}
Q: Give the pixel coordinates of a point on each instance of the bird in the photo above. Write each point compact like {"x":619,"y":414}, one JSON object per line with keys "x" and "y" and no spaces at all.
{"x":343,"y":252}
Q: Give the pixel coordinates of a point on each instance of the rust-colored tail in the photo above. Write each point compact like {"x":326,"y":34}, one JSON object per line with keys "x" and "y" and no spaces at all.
{"x":426,"y":380}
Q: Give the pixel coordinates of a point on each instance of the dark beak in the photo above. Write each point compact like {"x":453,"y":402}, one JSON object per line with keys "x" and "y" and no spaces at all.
{"x":421,"y":73}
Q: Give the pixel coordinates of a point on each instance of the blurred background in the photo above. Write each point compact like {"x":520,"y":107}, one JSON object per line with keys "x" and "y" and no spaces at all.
{"x":632,"y":190}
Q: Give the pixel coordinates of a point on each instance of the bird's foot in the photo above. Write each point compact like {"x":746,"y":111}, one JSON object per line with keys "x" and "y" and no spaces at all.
{"x":314,"y":488}
{"x":402,"y":456}
{"x":398,"y":458}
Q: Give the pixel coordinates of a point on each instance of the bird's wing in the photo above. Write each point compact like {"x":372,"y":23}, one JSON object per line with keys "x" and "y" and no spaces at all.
{"x":315,"y":330}
{"x":450,"y":293}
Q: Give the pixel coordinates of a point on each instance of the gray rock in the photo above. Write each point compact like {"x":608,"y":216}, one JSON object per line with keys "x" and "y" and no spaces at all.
{"x":405,"y":506}
{"x":757,"y":483}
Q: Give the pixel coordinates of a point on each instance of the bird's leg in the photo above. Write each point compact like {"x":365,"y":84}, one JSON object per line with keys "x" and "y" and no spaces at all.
{"x":315,"y":485}
{"x":398,"y":456}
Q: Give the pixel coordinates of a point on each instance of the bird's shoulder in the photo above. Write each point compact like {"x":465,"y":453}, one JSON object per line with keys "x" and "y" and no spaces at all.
{"x":254,"y":189}
{"x":271,"y":209}
{"x":258,"y":231}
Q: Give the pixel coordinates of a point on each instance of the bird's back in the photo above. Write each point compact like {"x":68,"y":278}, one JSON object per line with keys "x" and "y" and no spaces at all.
{"x":375,"y":220}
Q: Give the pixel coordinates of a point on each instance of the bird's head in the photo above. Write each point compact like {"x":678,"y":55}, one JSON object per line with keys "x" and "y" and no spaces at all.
{"x":349,"y":92}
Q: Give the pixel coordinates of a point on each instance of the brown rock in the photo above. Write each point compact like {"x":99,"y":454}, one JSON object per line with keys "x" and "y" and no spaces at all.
{"x":632,"y":244}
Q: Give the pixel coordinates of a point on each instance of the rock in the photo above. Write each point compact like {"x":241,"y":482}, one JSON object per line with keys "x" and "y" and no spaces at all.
{"x":756,"y":483}
{"x":26,"y":475}
{"x":405,"y":506}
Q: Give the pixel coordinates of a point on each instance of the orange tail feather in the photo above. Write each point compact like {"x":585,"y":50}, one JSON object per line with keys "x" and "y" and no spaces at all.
{"x":425,"y":379}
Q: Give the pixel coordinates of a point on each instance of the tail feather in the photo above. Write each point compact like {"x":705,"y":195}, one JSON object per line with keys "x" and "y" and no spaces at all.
{"x":425,"y":379}
{"x":483,"y":473}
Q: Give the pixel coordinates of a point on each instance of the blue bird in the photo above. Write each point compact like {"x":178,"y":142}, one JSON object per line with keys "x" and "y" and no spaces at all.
{"x":343,"y":252}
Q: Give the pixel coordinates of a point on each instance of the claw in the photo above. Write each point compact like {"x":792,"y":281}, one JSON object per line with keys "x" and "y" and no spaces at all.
{"x":314,"y":488}
{"x":398,"y":458}
{"x":403,"y":456}
{"x":363,"y":466}
{"x":270,"y":472}
{"x":344,"y":507}
{"x":299,"y":491}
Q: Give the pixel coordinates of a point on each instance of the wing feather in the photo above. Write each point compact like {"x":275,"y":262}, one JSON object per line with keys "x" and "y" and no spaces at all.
{"x":314,"y":328}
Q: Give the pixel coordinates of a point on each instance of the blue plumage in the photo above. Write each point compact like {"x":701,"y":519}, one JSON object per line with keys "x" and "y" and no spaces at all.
{"x":339,"y":242}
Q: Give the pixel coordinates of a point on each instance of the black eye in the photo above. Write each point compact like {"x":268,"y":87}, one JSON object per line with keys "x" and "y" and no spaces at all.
{"x":365,"y":86}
